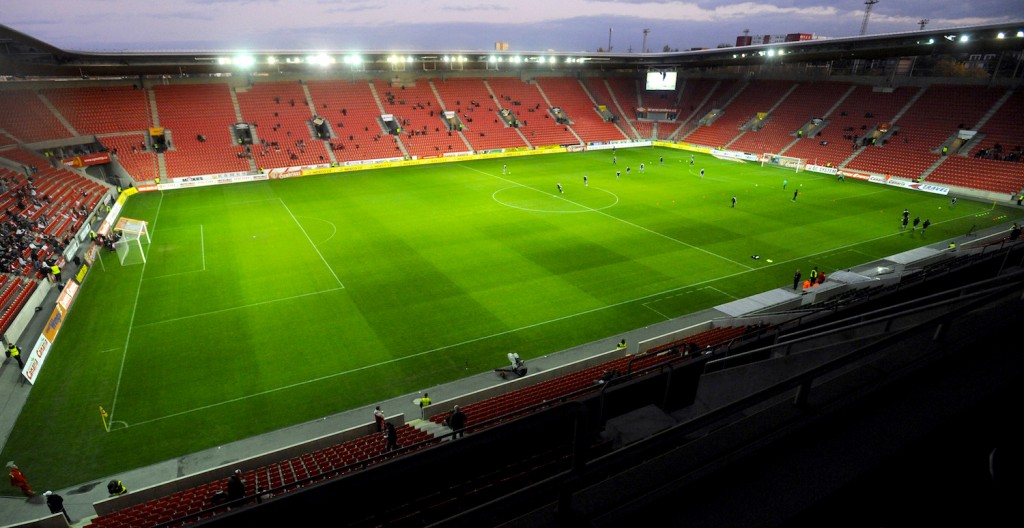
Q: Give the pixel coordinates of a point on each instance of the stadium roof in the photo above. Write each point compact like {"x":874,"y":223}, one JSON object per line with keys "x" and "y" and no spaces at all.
{"x":24,"y":56}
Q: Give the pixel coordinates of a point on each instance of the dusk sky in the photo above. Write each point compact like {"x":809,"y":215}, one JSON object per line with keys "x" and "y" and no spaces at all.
{"x":422,"y":25}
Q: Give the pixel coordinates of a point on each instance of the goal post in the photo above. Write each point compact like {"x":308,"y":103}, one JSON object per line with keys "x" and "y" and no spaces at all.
{"x":785,"y":162}
{"x":132,"y":235}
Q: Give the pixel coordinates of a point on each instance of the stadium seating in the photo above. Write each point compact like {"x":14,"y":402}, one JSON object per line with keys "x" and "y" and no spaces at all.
{"x":280,"y":115}
{"x":849,"y":119}
{"x":102,"y":109}
{"x":424,"y":133}
{"x":600,"y":93}
{"x":809,"y":100}
{"x":354,"y":114}
{"x":758,"y":96}
{"x":692,"y":94}
{"x":142,"y":165}
{"x":192,"y":110}
{"x":531,"y":106}
{"x":570,"y":95}
{"x":291,"y":474}
{"x":1002,"y":177}
{"x":486,"y":131}
{"x":25,"y":116}
{"x":935,"y":116}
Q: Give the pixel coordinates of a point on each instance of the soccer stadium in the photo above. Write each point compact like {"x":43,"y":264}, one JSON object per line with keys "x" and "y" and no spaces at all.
{"x":770,"y":284}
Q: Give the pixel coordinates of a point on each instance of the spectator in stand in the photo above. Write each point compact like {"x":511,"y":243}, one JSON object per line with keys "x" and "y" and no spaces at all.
{"x":378,"y":418}
{"x":236,"y":486}
{"x":392,"y":437}
{"x":457,"y":422}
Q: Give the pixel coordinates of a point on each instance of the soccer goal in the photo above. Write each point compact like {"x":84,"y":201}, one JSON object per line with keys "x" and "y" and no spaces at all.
{"x":785,"y":162}
{"x":134,"y":233}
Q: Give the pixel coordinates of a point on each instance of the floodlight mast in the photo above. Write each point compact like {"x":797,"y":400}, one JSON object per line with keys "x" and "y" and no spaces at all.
{"x":868,"y":4}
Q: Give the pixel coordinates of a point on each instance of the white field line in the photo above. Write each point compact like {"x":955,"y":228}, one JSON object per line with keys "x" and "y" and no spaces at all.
{"x":648,"y":298}
{"x":315,"y":248}
{"x":598,"y":211}
{"x":128,"y":338}
{"x":202,"y":244}
{"x":242,"y":307}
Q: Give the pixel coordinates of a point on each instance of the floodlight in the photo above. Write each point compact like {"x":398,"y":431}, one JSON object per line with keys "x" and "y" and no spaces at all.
{"x":771,"y":53}
{"x":964,"y":38}
{"x":1000,"y":35}
{"x":1020,"y":34}
{"x":245,"y":61}
{"x":271,"y":60}
{"x":321,"y":59}
{"x":223,"y":60}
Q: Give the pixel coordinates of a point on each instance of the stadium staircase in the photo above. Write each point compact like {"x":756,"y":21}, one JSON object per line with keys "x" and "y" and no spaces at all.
{"x":25,"y":117}
{"x":598,"y":90}
{"x":700,"y":90}
{"x":56,"y":113}
{"x":193,"y":110}
{"x":309,"y":126}
{"x":769,"y":115}
{"x":527,"y":102}
{"x":487,"y":131}
{"x":628,"y":117}
{"x":832,"y":133}
{"x":354,"y":114}
{"x":549,"y":105}
{"x":456,"y":133}
{"x":924,"y":128}
{"x":415,"y":104}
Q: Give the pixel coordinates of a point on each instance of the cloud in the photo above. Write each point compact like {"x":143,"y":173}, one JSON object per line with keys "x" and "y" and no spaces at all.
{"x":576,"y":25}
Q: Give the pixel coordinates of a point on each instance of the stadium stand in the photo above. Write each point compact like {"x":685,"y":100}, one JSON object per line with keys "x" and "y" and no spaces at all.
{"x":200,"y":118}
{"x":102,"y":109}
{"x":25,"y":116}
{"x":571,"y":96}
{"x":279,"y":114}
{"x":532,"y":107}
{"x":693,"y":96}
{"x":850,"y":119}
{"x":808,"y":101}
{"x":922,"y":130}
{"x":424,"y":133}
{"x":142,"y":165}
{"x":354,"y":111}
{"x":487,"y":131}
{"x":757,"y":96}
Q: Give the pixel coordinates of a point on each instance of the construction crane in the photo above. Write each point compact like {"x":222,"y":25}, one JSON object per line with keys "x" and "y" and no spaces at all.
{"x":868,"y":4}
{"x":923,"y":22}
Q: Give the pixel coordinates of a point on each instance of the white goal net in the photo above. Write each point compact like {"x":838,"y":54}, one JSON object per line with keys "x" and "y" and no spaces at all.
{"x":785,"y":162}
{"x":133,"y":241}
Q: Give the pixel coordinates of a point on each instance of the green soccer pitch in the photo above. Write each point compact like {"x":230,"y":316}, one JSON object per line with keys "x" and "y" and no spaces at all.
{"x":267,"y":304}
